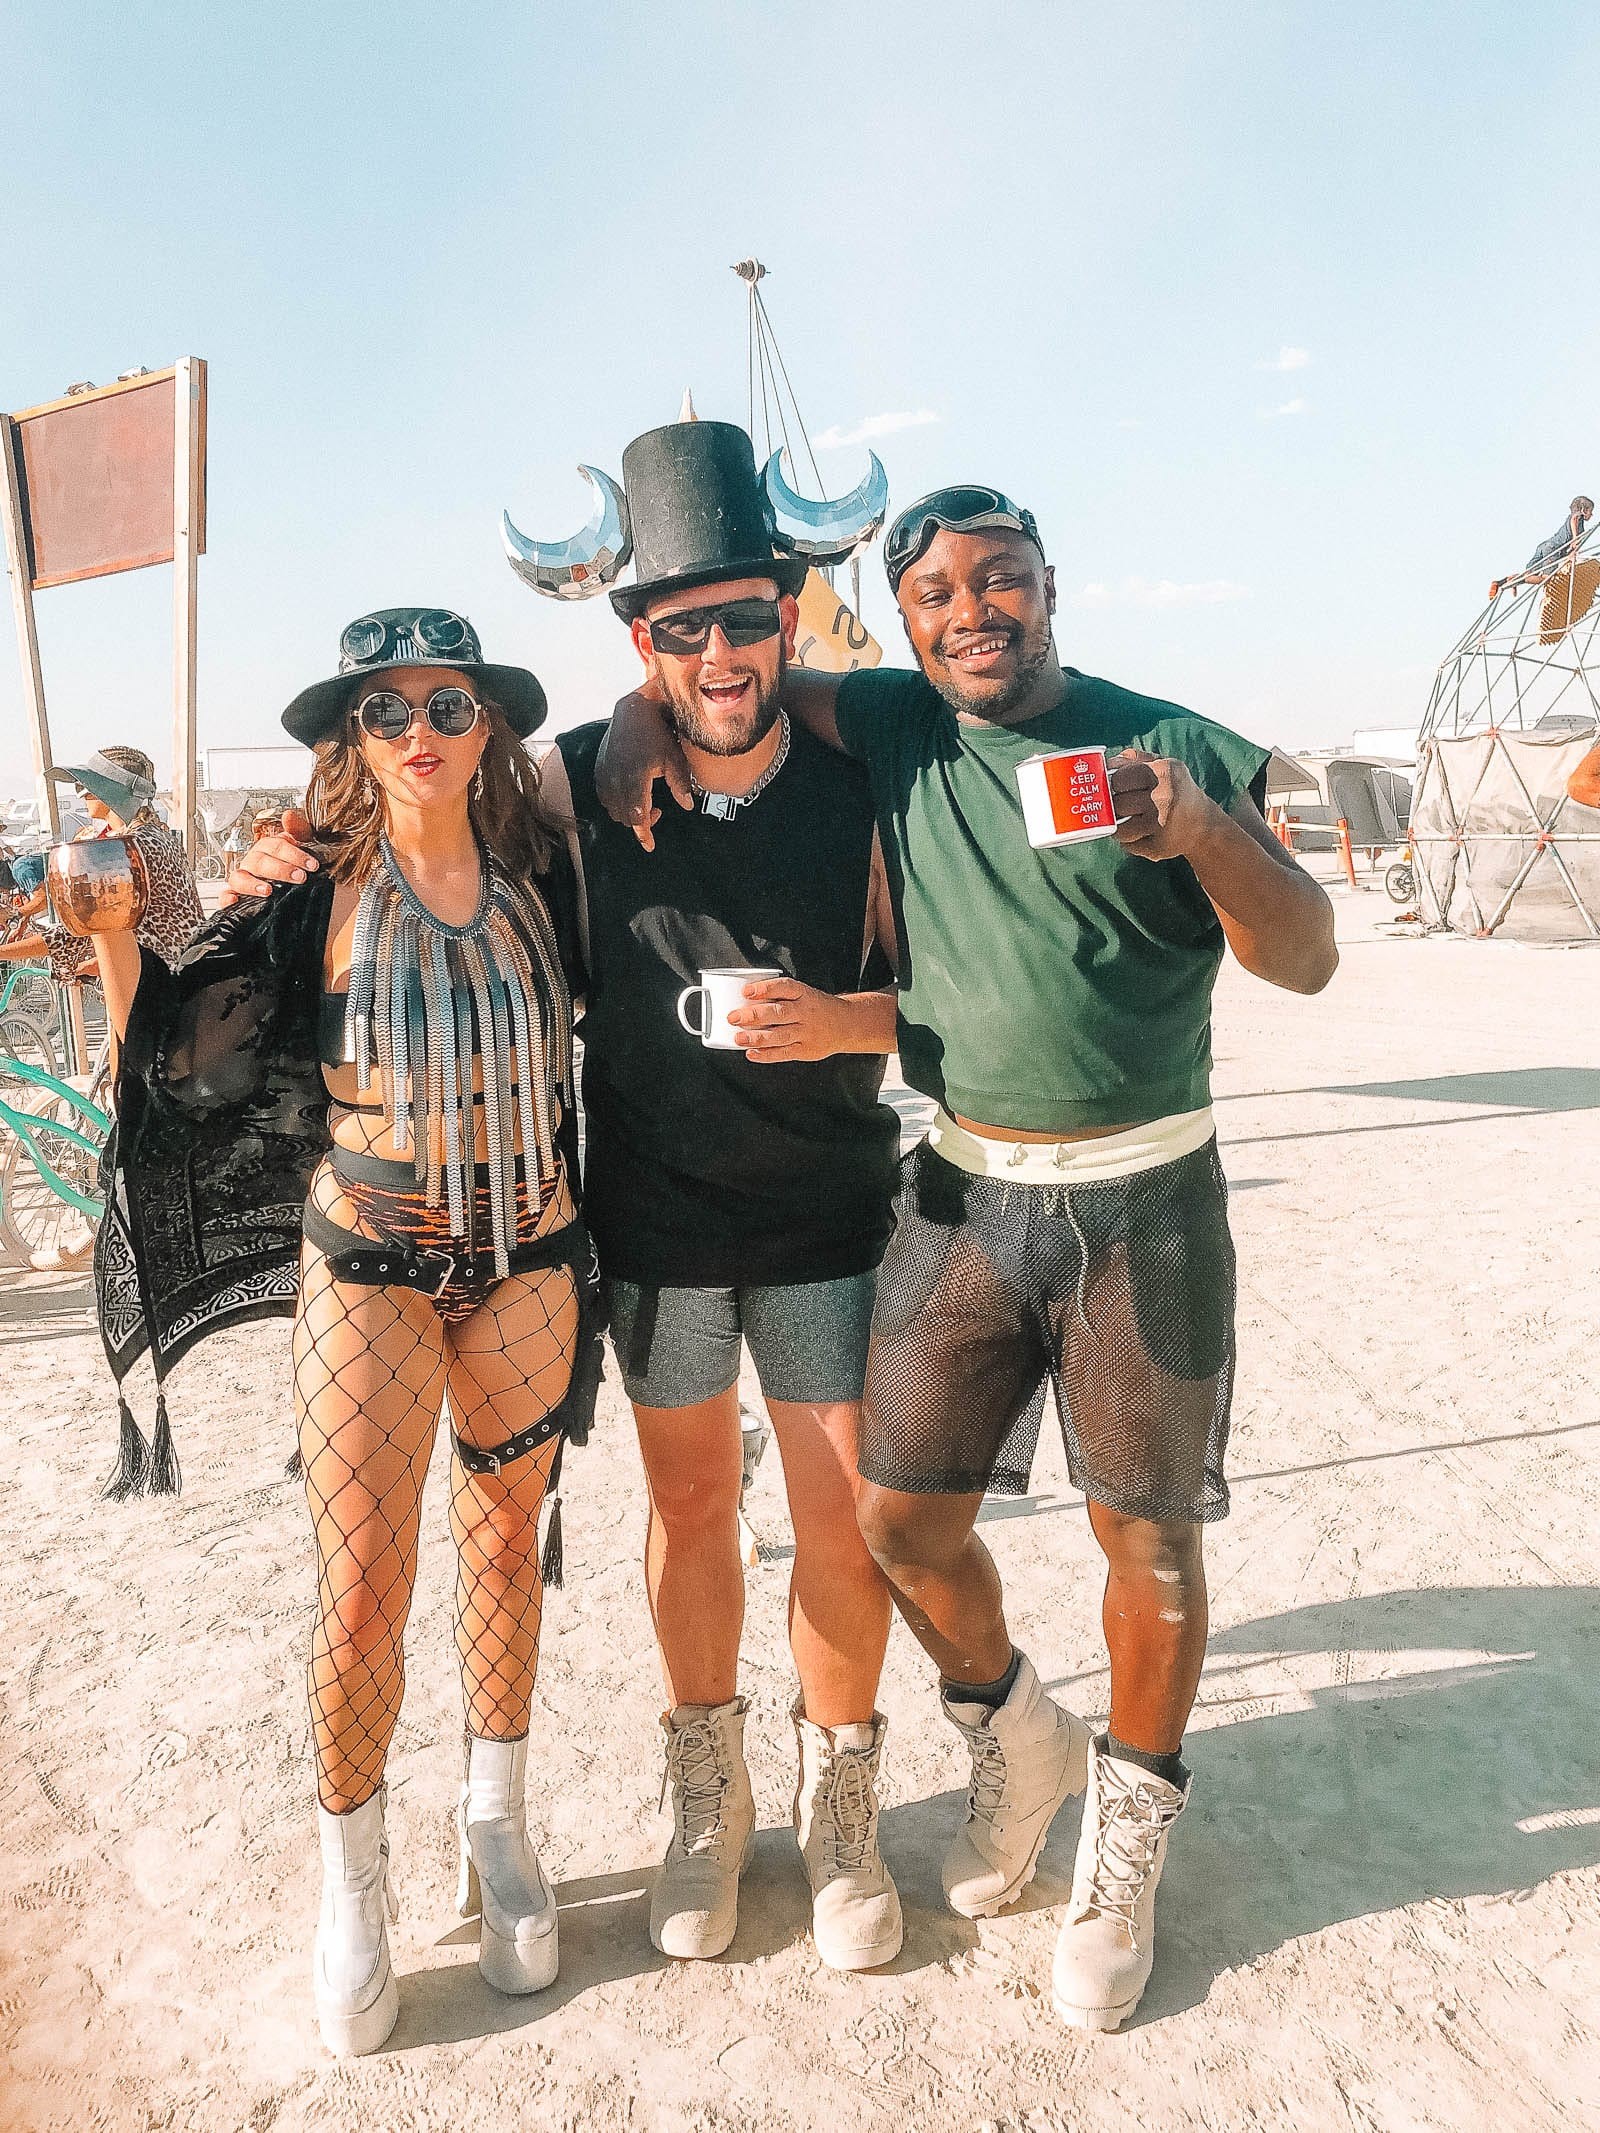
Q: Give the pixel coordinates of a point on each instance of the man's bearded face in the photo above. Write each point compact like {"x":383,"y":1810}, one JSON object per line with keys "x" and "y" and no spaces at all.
{"x":727,"y":698}
{"x":977,"y":610}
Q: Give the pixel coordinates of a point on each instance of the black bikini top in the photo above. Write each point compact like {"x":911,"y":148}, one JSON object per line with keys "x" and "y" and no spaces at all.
{"x":331,"y":1048}
{"x":330,"y":1029}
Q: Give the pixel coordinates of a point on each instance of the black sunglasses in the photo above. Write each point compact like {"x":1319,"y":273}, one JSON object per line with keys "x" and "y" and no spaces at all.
{"x":386,"y":715}
{"x":965,"y":509}
{"x":740,"y":621}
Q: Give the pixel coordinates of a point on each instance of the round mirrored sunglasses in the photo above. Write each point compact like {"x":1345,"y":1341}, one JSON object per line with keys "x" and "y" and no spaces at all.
{"x":386,"y":715}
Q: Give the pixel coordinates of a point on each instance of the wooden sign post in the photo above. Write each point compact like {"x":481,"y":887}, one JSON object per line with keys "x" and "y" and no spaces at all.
{"x":44,"y":785}
{"x":100,"y":482}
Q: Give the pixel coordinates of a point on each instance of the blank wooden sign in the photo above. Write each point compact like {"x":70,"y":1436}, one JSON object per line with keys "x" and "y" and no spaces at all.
{"x":97,"y":480}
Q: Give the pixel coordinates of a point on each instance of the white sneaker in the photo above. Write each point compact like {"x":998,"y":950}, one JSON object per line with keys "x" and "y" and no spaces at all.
{"x":694,"y":1906}
{"x":501,"y":1878}
{"x":357,"y":1998}
{"x":855,"y":1907}
{"x":1107,"y":1945}
{"x":1027,"y":1758}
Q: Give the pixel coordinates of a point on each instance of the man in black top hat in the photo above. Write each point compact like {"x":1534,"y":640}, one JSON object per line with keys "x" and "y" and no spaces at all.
{"x":739,"y":1193}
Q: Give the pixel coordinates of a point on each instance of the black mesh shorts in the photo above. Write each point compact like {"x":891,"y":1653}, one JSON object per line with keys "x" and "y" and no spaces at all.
{"x":1121,"y":1291}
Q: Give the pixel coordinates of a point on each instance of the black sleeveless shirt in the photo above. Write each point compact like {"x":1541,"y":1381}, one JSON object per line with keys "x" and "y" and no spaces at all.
{"x":703,"y":1170}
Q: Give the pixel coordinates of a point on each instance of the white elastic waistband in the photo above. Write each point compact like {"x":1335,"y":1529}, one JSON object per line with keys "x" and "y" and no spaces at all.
{"x":1114,"y":1155}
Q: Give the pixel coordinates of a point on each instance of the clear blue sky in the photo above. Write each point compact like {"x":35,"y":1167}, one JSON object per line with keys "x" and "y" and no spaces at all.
{"x":435,"y":256}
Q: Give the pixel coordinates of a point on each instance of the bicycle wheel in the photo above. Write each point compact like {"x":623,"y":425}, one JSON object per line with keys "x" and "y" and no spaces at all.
{"x":33,"y":993}
{"x":26,"y":1037}
{"x":42,"y":1163}
{"x":1401,"y":883}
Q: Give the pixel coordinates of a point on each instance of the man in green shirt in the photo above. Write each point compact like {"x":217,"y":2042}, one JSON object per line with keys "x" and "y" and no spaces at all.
{"x":1066,"y":1217}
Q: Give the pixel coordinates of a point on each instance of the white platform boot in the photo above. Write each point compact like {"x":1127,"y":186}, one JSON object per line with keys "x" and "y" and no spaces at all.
{"x":1027,"y":1758}
{"x":694,"y":1906}
{"x":855,"y":1907}
{"x":1107,"y":1945}
{"x":357,"y":1998}
{"x":501,"y":1878}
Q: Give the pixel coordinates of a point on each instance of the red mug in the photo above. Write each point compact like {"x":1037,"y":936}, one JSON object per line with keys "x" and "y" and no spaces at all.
{"x":1066,"y":797}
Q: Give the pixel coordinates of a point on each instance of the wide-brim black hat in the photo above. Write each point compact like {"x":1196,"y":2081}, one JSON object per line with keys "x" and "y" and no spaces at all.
{"x":697,"y":514}
{"x":413,"y":637}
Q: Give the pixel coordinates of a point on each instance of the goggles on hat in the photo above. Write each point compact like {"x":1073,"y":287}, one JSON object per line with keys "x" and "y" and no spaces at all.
{"x":963,"y":509}
{"x":742,"y":622}
{"x":433,"y":634}
{"x":386,"y":715}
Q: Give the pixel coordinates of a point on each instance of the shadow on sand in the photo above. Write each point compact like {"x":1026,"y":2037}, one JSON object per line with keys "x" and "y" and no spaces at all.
{"x":1455,"y":1777}
{"x":1459,"y":1777}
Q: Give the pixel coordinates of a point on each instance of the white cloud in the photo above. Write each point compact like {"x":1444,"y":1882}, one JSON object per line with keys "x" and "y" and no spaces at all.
{"x":1130,"y":422}
{"x":1160,"y":592}
{"x":1287,"y":358}
{"x":1296,"y":406}
{"x":874,"y":426}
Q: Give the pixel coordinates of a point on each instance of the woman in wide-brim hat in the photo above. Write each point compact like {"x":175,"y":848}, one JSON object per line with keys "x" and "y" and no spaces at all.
{"x":438,"y":1254}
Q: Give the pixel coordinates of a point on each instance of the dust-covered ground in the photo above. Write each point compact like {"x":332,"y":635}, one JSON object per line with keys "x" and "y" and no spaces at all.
{"x":1382,"y":1910}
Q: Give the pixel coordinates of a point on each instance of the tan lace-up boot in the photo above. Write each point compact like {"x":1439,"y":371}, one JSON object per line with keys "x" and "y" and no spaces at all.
{"x":1107,"y":1945}
{"x":1027,"y":1757}
{"x":855,"y":1907}
{"x":358,"y":2001}
{"x":694,"y":1906}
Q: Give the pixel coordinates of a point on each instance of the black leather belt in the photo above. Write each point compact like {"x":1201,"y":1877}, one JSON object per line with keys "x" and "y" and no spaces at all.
{"x":526,"y":1440}
{"x":387,"y":1262}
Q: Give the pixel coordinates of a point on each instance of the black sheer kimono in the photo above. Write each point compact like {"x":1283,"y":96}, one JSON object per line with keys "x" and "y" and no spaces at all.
{"x":222,"y":1118}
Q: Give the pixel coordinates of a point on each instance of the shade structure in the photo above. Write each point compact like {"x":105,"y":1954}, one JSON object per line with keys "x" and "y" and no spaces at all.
{"x":1500,"y":847}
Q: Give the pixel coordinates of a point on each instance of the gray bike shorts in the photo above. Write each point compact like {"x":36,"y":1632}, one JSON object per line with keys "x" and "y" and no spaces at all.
{"x":807,"y":1340}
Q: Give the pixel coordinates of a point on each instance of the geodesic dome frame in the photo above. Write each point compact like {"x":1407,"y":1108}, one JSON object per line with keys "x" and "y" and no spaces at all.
{"x":1499,"y":845}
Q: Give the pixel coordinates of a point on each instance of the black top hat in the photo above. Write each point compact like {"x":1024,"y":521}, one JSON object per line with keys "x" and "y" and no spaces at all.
{"x":698,"y":514}
{"x":412,"y":637}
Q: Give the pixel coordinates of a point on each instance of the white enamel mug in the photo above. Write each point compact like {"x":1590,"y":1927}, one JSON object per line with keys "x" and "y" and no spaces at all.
{"x":719,"y":993}
{"x":1066,"y":797}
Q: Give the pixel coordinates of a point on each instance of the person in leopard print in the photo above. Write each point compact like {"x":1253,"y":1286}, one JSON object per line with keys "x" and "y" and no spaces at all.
{"x":117,"y":785}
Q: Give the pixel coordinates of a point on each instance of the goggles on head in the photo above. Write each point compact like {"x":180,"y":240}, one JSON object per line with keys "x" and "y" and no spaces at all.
{"x":965,"y":508}
{"x":386,"y":715}
{"x":743,"y":622}
{"x":432,"y":633}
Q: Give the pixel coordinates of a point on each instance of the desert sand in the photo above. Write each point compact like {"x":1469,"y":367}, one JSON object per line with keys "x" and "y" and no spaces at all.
{"x":1381,"y":1912}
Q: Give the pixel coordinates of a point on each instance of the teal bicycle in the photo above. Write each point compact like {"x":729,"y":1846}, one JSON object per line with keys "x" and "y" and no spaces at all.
{"x":29,"y":1020}
{"x":51,"y":1137}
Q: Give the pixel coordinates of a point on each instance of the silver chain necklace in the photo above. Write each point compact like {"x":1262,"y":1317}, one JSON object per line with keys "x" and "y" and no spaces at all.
{"x":723,"y":806}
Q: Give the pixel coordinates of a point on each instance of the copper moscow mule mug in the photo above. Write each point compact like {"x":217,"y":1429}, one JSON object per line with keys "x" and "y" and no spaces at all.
{"x":98,"y":886}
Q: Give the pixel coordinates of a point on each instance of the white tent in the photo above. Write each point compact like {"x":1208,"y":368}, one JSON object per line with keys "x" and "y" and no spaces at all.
{"x":1515,"y":708}
{"x":1500,"y":848}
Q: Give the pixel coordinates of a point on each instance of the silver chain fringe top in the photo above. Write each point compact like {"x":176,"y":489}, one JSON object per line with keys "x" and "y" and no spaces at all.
{"x":426,"y":999}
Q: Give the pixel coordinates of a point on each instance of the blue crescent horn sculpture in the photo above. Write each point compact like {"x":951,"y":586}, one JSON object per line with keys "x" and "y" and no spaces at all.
{"x":836,"y":528}
{"x":586,"y":564}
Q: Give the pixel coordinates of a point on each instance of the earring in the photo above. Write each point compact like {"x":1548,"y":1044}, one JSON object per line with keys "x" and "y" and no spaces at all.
{"x":477,"y":784}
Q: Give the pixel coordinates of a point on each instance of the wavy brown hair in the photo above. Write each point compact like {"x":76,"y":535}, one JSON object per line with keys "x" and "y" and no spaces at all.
{"x":509,"y":815}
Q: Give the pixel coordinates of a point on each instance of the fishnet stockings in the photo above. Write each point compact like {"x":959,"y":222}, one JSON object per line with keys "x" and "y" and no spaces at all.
{"x":373,"y":1366}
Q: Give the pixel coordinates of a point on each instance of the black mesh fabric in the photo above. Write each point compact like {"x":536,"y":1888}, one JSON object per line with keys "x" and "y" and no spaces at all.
{"x":1120,"y":1292}
{"x":373,"y":1368}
